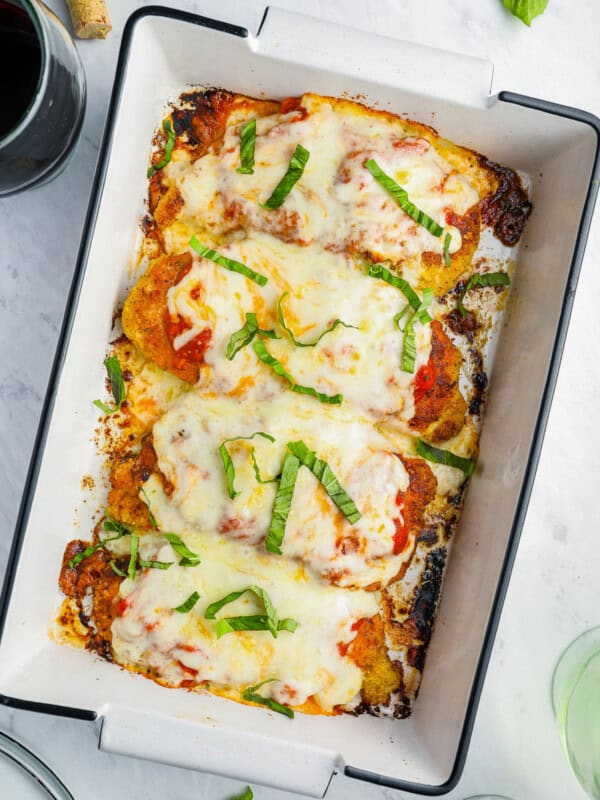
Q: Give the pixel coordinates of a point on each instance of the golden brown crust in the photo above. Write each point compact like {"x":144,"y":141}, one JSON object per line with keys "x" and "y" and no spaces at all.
{"x":127,"y":476}
{"x":93,"y":576}
{"x":168,"y":206}
{"x":440,"y":408}
{"x":145,"y":316}
{"x":421,"y":491}
{"x":434,"y":270}
{"x":368,"y":650}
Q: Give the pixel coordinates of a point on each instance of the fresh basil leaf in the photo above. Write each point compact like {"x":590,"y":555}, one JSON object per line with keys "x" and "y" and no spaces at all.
{"x":477,"y":280}
{"x":247,"y":794}
{"x":134,"y":547}
{"x":294,"y":172}
{"x":287,"y":624}
{"x":526,"y":10}
{"x":278,"y":368}
{"x":117,"y":386}
{"x":189,"y":562}
{"x":381,"y":272}
{"x":250,"y":694}
{"x":213,"y":609}
{"x":190,"y":558}
{"x":409,"y":348}
{"x":77,"y":559}
{"x":254,"y":622}
{"x":188,"y":604}
{"x":109,"y":524}
{"x":168,"y":129}
{"x":447,"y":243}
{"x":400,"y":315}
{"x":151,"y":519}
{"x":245,"y":335}
{"x":431,"y":453}
{"x":324,"y":474}
{"x":247,"y":144}
{"x":228,"y":463}
{"x":251,"y":622}
{"x":116,"y":570}
{"x":400,"y":195}
{"x":155,"y":564}
{"x":228,"y":263}
{"x":113,"y":525}
{"x":282,"y":504}
{"x":257,"y":470}
{"x":290,"y":333}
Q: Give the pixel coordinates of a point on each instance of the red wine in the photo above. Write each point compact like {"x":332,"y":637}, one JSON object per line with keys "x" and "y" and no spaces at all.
{"x":20,"y":65}
{"x":42,"y":95}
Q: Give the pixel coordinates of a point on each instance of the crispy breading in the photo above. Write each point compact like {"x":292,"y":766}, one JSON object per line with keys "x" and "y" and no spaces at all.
{"x":145,"y":316}
{"x":440,"y":408}
{"x":127,"y":476}
{"x":368,"y":650}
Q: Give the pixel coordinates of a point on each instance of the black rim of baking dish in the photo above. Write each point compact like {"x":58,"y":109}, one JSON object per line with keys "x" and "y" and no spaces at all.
{"x":546,"y":400}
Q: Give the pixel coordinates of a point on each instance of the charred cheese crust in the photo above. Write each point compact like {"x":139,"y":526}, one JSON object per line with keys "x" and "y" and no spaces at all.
{"x":373,"y":587}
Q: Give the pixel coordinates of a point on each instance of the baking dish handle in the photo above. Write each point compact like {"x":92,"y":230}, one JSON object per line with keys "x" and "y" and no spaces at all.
{"x":418,"y":69}
{"x":204,"y":745}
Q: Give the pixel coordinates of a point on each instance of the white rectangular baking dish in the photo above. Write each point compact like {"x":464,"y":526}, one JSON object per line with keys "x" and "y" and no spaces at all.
{"x":162,"y":51}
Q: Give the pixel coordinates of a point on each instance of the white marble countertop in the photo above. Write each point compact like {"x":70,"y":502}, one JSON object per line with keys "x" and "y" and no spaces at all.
{"x":515,"y":749}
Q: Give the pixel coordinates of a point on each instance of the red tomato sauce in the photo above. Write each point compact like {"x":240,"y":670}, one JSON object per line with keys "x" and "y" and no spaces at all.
{"x":424,"y":380}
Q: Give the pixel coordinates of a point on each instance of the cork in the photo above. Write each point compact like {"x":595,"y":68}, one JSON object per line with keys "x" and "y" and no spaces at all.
{"x":90,"y":18}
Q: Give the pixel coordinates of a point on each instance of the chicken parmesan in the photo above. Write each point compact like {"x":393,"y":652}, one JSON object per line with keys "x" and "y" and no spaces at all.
{"x":297,"y":388}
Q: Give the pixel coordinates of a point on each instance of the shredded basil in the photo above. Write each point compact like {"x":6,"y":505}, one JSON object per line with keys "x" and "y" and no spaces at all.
{"x":477,"y":280}
{"x":188,"y":604}
{"x":253,"y":622}
{"x":116,"y":570}
{"x":526,"y":10}
{"x":151,"y":518}
{"x":228,"y":462}
{"x":431,"y":453}
{"x":400,"y":195}
{"x":282,"y":504}
{"x":250,"y":694}
{"x":109,"y":524}
{"x":381,"y":272}
{"x":409,"y":348}
{"x":447,"y":243}
{"x":247,"y":144}
{"x":400,"y":315}
{"x":324,"y":474}
{"x":247,"y":794}
{"x":245,"y":335}
{"x":155,"y":564}
{"x":278,"y":368}
{"x":228,"y":263}
{"x":257,"y":470}
{"x":188,"y":557}
{"x":117,"y":386}
{"x":168,"y":129}
{"x":290,"y":333}
{"x":133,"y":554}
{"x":294,"y":172}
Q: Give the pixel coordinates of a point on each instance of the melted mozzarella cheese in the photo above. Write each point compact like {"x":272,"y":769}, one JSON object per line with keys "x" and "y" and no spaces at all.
{"x":187,"y":441}
{"x":337,"y":202}
{"x":183,"y":647}
{"x":362,"y":362}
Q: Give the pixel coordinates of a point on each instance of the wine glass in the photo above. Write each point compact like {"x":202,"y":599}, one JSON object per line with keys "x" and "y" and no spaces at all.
{"x":576,"y":703}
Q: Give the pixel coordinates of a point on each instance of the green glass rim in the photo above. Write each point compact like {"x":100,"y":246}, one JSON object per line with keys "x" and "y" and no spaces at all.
{"x":569,"y":668}
{"x":582,"y":711}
